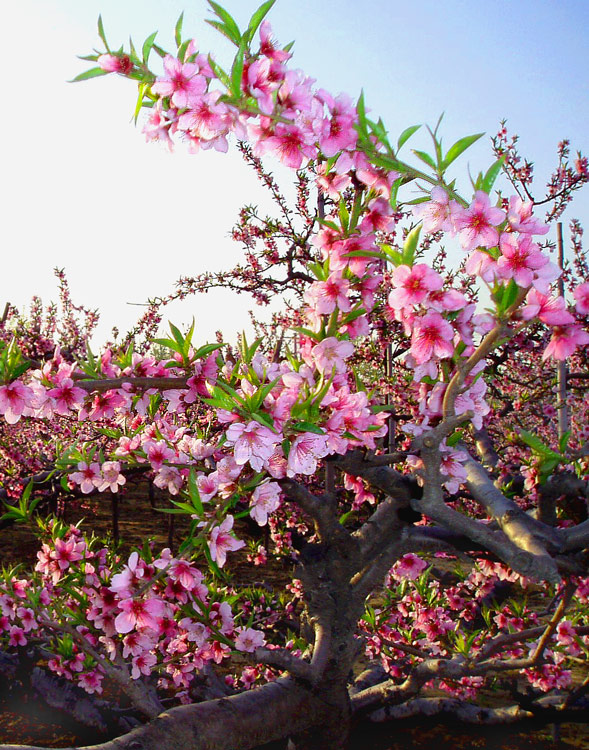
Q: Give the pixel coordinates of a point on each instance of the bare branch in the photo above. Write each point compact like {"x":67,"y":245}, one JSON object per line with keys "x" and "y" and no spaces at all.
{"x":523,"y":530}
{"x":142,"y":383}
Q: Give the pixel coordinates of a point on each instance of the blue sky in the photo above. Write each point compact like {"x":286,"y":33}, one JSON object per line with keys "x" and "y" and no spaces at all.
{"x":126,"y":219}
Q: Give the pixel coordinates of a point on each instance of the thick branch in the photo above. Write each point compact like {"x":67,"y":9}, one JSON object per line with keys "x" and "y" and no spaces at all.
{"x":239,"y":722}
{"x":536,"y":567}
{"x":523,"y":530}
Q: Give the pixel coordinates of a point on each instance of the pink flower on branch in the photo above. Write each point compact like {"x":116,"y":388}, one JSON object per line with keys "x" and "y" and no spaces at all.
{"x":87,"y":476}
{"x":550,"y":310}
{"x":476,"y":224}
{"x":112,"y":478}
{"x":181,"y":82}
{"x":249,"y":640}
{"x":252,"y":442}
{"x":413,"y":284}
{"x":139,"y":613}
{"x":265,"y":500}
{"x":331,"y":354}
{"x":14,"y":399}
{"x":432,"y":337}
{"x":520,"y":259}
{"x":66,"y":397}
{"x":221,"y":542}
{"x":305,"y":452}
{"x":581,"y":295}
{"x":564,"y":341}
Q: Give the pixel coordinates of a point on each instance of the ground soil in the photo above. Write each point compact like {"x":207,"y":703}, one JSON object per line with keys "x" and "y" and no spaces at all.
{"x":26,"y":720}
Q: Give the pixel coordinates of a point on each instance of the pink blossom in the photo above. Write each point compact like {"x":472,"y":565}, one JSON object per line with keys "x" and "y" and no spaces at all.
{"x":115,"y":63}
{"x":111,"y":477}
{"x":17,"y":636}
{"x":123,"y":583}
{"x":169,"y":478}
{"x":87,"y":476}
{"x":564,"y":341}
{"x":221,"y":541}
{"x":550,"y":310}
{"x":139,"y":613}
{"x":520,"y":258}
{"x":305,"y":452}
{"x":249,"y":640}
{"x":331,"y":354}
{"x":66,"y":552}
{"x":325,"y":296}
{"x":66,"y":396}
{"x":436,"y":214}
{"x":410,"y":566}
{"x":157,"y":453}
{"x":91,"y":681}
{"x":581,"y":295}
{"x":14,"y":399}
{"x":252,"y":442}
{"x":481,"y":264}
{"x":432,"y":336}
{"x":265,"y":500}
{"x":413,"y":285}
{"x":291,"y":145}
{"x":142,"y":664}
{"x":181,"y":82}
{"x":521,"y":218}
{"x":27,"y":617}
{"x":476,"y":224}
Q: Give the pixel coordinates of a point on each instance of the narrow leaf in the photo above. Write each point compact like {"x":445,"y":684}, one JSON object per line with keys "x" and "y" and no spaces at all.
{"x":178,"y":30}
{"x":425,"y":157}
{"x":406,"y":135}
{"x":459,"y":147}
{"x":258,"y":17}
{"x":92,"y":73}
{"x":231,"y":28}
{"x":101,"y":33}
{"x":492,"y":173}
{"x":147,"y":45}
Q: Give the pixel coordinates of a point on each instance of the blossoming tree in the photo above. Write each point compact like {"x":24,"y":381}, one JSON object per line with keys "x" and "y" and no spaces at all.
{"x":373,"y":479}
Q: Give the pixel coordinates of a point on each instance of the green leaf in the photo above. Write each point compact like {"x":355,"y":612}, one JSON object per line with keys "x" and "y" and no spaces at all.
{"x":237,"y":70}
{"x":194,"y":493}
{"x":139,"y":103}
{"x":492,"y":173}
{"x":544,"y":451}
{"x":392,"y":254}
{"x":307,"y":427}
{"x":92,"y":73}
{"x":425,"y":157}
{"x":564,"y":441}
{"x":410,"y":245}
{"x":455,"y":438}
{"x":406,"y":135}
{"x":178,"y":30}
{"x":307,"y":332}
{"x":344,"y":216}
{"x":510,"y":293}
{"x":147,"y":45}
{"x":230,"y":28}
{"x":168,"y":343}
{"x":459,"y":147}
{"x":207,"y":349}
{"x":101,"y":33}
{"x":362,"y":121}
{"x":257,"y":18}
{"x":218,"y":70}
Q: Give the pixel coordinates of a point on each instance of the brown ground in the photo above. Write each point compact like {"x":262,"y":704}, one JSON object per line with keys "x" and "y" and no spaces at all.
{"x":25,"y":720}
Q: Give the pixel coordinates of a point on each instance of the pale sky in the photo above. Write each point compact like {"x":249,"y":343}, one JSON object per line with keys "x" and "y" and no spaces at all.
{"x":84,"y":191}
